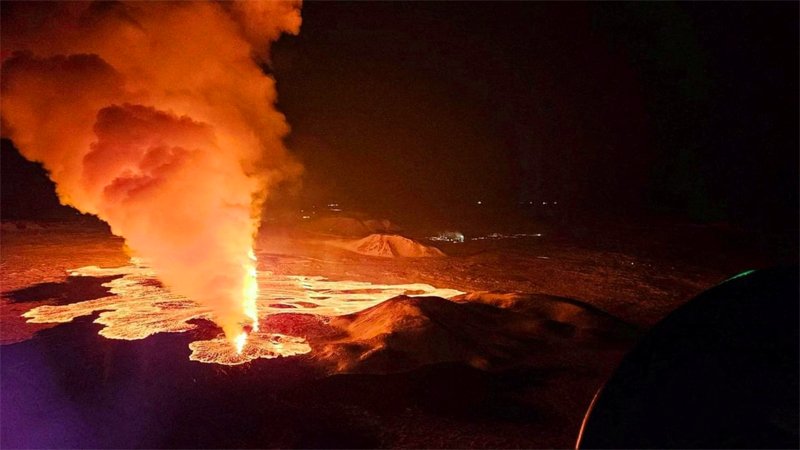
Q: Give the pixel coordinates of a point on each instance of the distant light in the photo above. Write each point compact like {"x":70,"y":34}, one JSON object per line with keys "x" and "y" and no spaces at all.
{"x":448,"y":236}
{"x":555,"y":203}
{"x":480,"y":202}
{"x":495,"y":236}
{"x":306,"y":217}
{"x":544,"y":203}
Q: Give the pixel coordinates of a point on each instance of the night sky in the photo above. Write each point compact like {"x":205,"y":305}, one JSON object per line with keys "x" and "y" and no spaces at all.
{"x":687,"y":110}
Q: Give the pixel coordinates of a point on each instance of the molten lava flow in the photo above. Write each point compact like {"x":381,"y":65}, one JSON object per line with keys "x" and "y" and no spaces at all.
{"x":217,"y":351}
{"x":140,"y":307}
{"x":240,"y":341}
{"x":157,"y":118}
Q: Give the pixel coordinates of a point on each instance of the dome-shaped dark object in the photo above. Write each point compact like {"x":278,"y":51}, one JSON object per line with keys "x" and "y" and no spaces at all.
{"x":719,"y":372}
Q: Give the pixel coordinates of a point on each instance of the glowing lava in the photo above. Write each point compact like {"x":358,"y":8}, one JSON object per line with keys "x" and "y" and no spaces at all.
{"x":239,"y":341}
{"x":159,"y":119}
{"x":267,"y":346}
{"x":140,"y":307}
{"x":251,"y":292}
{"x":249,"y":298}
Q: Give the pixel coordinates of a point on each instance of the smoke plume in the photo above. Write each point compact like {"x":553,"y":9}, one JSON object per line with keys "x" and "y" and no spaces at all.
{"x":157,"y":118}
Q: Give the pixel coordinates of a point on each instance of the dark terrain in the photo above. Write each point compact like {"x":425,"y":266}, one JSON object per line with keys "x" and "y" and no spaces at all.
{"x":66,"y":386}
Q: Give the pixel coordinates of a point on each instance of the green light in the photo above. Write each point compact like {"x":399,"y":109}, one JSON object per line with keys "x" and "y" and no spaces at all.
{"x":743,"y":274}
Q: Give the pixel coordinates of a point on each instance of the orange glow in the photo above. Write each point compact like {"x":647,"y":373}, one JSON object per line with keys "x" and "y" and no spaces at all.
{"x":158,"y":118}
{"x":240,"y":342}
{"x":266,"y":346}
{"x":250,"y":291}
{"x":139,"y":307}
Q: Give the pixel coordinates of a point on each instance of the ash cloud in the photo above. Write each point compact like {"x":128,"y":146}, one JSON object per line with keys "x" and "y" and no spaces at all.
{"x":157,"y":118}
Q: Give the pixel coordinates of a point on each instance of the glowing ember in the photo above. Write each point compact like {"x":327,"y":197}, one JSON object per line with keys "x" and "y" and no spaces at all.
{"x":140,"y":307}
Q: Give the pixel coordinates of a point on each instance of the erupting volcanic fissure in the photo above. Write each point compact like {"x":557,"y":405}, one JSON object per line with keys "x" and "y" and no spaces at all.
{"x":140,"y":307}
{"x":157,"y":118}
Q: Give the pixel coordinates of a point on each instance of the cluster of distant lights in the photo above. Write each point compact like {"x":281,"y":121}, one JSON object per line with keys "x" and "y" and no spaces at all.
{"x":459,"y":238}
{"x":497,"y":236}
{"x":335,"y":207}
{"x":448,"y":236}
{"x":531,"y":203}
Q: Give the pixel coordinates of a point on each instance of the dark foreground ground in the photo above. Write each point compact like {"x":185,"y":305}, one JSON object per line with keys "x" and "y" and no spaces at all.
{"x":66,"y":386}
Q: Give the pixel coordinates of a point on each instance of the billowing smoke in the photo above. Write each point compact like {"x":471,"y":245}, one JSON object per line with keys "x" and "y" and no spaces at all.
{"x":157,"y":118}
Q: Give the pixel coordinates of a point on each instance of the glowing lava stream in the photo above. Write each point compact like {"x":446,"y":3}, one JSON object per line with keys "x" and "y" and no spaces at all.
{"x":241,"y":340}
{"x":140,"y":307}
{"x":250,"y":298}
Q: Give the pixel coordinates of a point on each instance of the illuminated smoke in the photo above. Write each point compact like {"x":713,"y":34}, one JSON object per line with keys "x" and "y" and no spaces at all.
{"x":157,"y":118}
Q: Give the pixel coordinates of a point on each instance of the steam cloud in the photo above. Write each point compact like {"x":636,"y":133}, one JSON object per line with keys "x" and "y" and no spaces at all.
{"x":157,"y":118}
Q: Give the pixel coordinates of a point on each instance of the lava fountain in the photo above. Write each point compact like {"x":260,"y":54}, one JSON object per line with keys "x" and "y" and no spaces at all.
{"x":139,"y":307}
{"x":157,"y":118}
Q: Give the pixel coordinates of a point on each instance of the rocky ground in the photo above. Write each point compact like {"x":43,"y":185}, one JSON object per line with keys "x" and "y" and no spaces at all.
{"x":512,"y":363}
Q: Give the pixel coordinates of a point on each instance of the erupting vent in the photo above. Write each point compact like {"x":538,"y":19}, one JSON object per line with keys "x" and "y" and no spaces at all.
{"x":141,"y":307}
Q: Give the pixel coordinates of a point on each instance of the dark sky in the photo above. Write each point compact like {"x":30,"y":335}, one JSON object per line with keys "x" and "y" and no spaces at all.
{"x":686,"y":109}
{"x":439,"y":105}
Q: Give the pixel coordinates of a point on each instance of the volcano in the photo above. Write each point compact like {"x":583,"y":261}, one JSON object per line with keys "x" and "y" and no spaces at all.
{"x":270,"y":224}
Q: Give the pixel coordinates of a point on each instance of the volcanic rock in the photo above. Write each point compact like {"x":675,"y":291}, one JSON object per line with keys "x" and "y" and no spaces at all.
{"x":389,"y":246}
{"x":484,"y":330}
